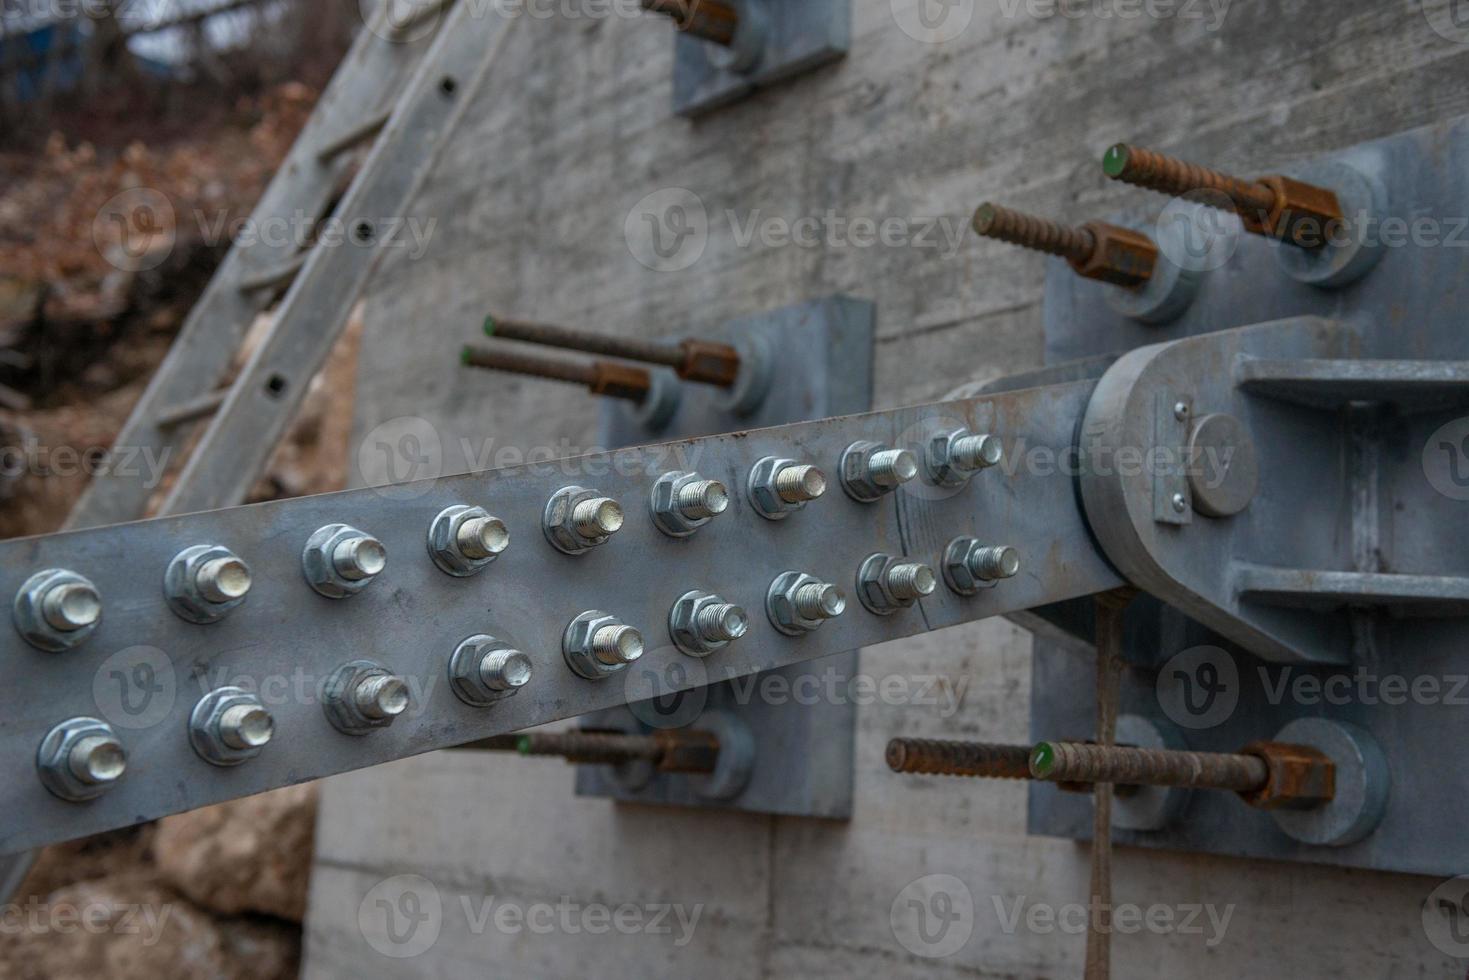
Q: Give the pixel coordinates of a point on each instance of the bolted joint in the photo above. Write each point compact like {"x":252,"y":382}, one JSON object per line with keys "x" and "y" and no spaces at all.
{"x":462,"y":540}
{"x":484,"y":670}
{"x":954,"y":457}
{"x":361,"y":696}
{"x":780,"y":487}
{"x":578,"y":520}
{"x":1299,"y":777}
{"x":870,"y":470}
{"x":205,"y":582}
{"x":80,"y":759}
{"x":798,"y":603}
{"x":1303,"y":214}
{"x":971,"y":566}
{"x":597,"y":645}
{"x":887,"y":584}
{"x":1122,"y":257}
{"x":709,"y":363}
{"x":701,"y":623}
{"x":340,"y":561}
{"x":684,"y":502}
{"x":56,"y":610}
{"x":230,"y":726}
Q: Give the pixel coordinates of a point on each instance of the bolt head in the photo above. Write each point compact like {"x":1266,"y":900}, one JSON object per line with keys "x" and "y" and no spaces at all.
{"x":205,"y":583}
{"x":683,"y":623}
{"x":463,"y":540}
{"x":576,"y":645}
{"x":1181,"y":411}
{"x":56,"y":596}
{"x":560,"y":525}
{"x":484,"y":670}
{"x":780,"y":603}
{"x":80,"y":759}
{"x":1180,"y":503}
{"x":340,"y":561}
{"x":230,"y":726}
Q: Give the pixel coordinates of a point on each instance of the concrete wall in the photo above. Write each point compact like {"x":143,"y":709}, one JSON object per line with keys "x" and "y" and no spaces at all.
{"x":571,"y":132}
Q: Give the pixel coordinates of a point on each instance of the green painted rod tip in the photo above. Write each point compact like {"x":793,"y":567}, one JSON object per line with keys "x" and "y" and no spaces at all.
{"x":1115,"y":160}
{"x":522,"y":745}
{"x":489,"y":326}
{"x":1042,"y":759}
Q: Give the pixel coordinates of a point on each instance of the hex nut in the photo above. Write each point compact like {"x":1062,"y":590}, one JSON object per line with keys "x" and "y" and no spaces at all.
{"x":560,"y":521}
{"x":763,"y":491}
{"x":484,"y":670}
{"x":202,"y":601}
{"x":448,"y":551}
{"x":578,"y":641}
{"x":691,"y":636}
{"x":960,"y":560}
{"x":228,"y":741}
{"x":871,"y":471}
{"x":322,"y":560}
{"x":887,"y":584}
{"x":953,"y":458}
{"x":80,"y":759}
{"x":54,"y":620}
{"x":668,"y":514}
{"x":786,"y":612}
{"x":343,"y":691}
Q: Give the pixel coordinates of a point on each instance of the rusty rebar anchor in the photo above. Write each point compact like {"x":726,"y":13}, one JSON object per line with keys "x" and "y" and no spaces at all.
{"x":711,"y":20}
{"x":1302,"y":214}
{"x":606,"y":378}
{"x":975,"y":760}
{"x":702,"y":361}
{"x":1096,"y":250}
{"x":669,"y":751}
{"x":1266,"y":775}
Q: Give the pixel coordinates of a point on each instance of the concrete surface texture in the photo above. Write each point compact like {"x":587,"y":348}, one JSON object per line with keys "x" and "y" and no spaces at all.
{"x":460,"y":864}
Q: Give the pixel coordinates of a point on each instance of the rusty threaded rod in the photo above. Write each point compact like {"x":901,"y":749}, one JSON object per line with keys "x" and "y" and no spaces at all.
{"x":1293,"y":211}
{"x":669,"y":751}
{"x":600,"y":377}
{"x":694,"y":360}
{"x":711,"y":20}
{"x":976,"y":760}
{"x":1095,"y":250}
{"x":1169,"y":175}
{"x":1072,"y":762}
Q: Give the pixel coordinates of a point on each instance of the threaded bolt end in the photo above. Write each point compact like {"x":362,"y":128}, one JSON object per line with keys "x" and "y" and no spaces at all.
{"x":617,"y":645}
{"x":799,"y":484}
{"x":892,"y":467}
{"x":71,"y":607}
{"x":820,"y":601}
{"x":246,"y":726}
{"x":223,"y":580}
{"x":911,"y":581}
{"x":482,"y":537}
{"x":97,"y":760}
{"x":359,"y":558}
{"x":505,"y":670}
{"x":971,"y":759}
{"x":381,"y":696}
{"x":721,"y":622}
{"x":972,"y":453}
{"x":703,"y":499}
{"x":1169,"y":175}
{"x":1029,"y":231}
{"x":597,"y":518}
{"x":1068,"y":762}
{"x":994,"y":564}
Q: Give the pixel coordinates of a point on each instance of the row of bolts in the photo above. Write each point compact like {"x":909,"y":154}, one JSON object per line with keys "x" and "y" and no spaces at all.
{"x":58,"y":609}
{"x":1300,"y":214}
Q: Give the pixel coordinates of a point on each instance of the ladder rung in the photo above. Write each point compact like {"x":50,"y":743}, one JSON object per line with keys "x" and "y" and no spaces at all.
{"x":353,"y":137}
{"x":275,"y":277}
{"x":196,"y":408}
